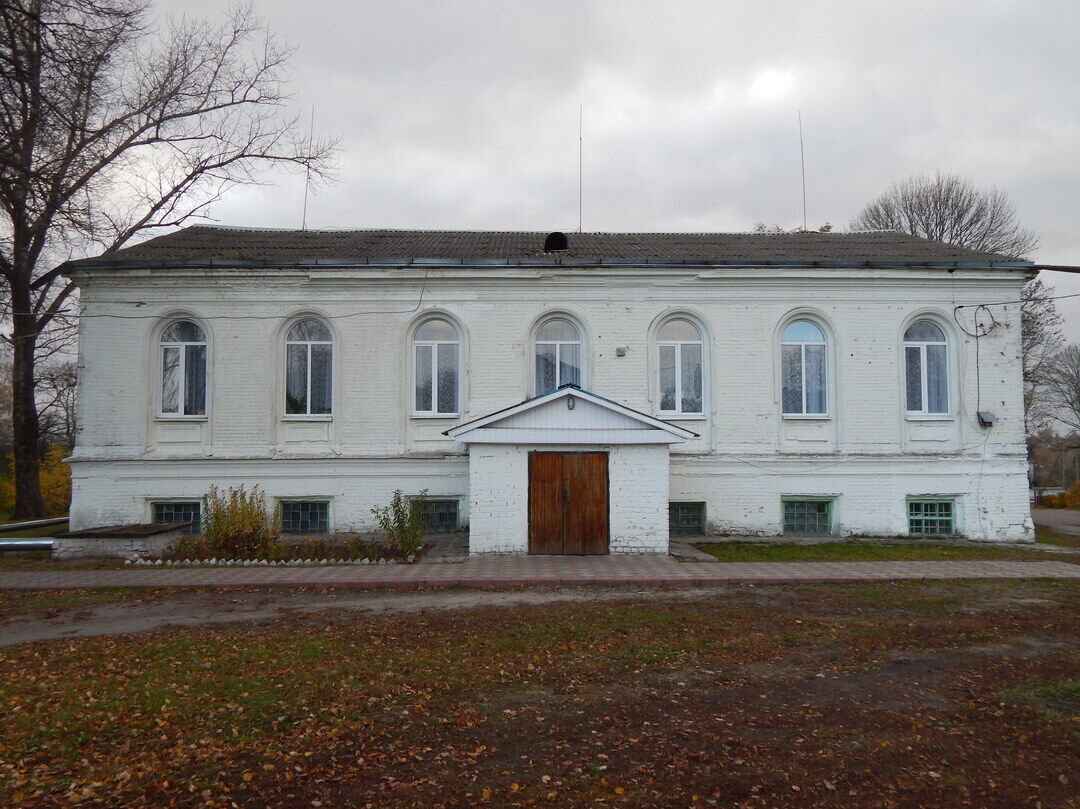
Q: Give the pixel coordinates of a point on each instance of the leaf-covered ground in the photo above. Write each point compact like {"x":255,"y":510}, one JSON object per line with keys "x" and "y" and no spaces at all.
{"x":42,"y":560}
{"x":865,"y":695}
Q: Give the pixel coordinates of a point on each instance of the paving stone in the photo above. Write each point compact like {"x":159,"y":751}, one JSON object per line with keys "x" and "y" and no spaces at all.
{"x":517,"y":571}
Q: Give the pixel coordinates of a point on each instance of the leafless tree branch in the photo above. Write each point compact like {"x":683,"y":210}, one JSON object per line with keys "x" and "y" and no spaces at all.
{"x":109,"y":130}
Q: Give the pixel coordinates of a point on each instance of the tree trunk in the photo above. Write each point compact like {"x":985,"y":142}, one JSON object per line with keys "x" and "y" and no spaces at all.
{"x":24,"y":415}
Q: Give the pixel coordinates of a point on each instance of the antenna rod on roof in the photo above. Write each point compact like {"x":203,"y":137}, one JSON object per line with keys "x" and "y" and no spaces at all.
{"x":580,"y":120}
{"x":307,"y":172}
{"x":802,"y":163}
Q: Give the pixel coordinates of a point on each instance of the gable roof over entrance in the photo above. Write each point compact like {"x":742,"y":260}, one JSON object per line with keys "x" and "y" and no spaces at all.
{"x":568,"y":415}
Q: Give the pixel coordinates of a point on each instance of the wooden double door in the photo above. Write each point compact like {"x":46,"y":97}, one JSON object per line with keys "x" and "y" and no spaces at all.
{"x":568,"y":502}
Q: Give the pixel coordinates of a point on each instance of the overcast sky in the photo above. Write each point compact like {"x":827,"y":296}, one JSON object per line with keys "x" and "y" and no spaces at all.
{"x":465,"y":114}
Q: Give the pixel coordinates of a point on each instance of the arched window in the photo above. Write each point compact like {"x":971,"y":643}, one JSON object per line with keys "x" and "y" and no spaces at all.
{"x":557,"y":355}
{"x":436,"y":353}
{"x":927,"y":369}
{"x":183,"y":370}
{"x":679,"y":351}
{"x":803,"y":369}
{"x":309,"y":363}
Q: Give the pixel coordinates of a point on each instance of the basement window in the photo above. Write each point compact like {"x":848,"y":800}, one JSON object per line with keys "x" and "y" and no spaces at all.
{"x":811,"y":516}
{"x":686,"y":519}
{"x":174,"y":511}
{"x":305,"y":516}
{"x":440,"y":516}
{"x":931,"y":517}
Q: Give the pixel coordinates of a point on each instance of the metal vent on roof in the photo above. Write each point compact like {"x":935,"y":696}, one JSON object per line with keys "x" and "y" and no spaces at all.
{"x":556,"y":241}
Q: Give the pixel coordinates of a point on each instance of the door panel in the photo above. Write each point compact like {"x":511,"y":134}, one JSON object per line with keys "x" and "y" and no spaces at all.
{"x":585,"y":529}
{"x":545,"y":503}
{"x":568,"y":502}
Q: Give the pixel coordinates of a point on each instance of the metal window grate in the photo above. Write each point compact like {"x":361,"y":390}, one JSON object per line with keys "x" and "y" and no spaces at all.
{"x":440,"y":516}
{"x":305,"y":517}
{"x":180,"y":512}
{"x":807,"y":517}
{"x":930,"y":517}
{"x":686,"y":518}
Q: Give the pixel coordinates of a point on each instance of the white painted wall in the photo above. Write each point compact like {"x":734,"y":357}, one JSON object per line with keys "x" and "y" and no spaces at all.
{"x":499,"y":496}
{"x":866,"y":453}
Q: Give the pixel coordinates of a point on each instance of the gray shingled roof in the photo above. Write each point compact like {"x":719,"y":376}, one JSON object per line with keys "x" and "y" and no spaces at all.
{"x":226,"y":244}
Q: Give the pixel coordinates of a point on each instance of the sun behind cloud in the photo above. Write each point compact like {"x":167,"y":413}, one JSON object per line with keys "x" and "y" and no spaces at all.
{"x":771,"y":84}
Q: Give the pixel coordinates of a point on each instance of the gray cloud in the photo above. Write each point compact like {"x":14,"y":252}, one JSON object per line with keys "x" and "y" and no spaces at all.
{"x":464,"y":114}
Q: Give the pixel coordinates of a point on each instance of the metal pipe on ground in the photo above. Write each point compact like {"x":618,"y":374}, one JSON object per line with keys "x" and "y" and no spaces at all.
{"x":26,"y":544}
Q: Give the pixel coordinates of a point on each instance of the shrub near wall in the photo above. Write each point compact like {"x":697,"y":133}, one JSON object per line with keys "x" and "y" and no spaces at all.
{"x":1069,"y":499}
{"x":237,"y":527}
{"x":236,"y":524}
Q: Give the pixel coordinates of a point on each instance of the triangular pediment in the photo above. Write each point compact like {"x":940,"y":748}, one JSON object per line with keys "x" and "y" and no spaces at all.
{"x":569,"y":415}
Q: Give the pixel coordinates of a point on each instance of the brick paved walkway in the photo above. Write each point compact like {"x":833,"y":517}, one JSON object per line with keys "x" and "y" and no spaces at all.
{"x":538,"y":570}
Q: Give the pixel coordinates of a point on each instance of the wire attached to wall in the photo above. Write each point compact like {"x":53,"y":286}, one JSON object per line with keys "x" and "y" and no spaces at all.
{"x":409,"y":311}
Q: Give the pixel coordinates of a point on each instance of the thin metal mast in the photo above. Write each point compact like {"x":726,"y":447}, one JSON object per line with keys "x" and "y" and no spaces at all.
{"x":307,"y":172}
{"x":802,"y":162}
{"x":581,"y":117}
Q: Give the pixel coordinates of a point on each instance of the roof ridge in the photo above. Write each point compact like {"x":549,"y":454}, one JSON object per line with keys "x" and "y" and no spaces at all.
{"x":758,"y":234}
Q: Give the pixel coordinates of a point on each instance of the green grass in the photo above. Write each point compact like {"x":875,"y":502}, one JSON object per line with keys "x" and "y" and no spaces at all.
{"x":42,"y":560}
{"x":1048,"y":537}
{"x":1058,"y":699}
{"x":859,"y":552}
{"x":23,"y":602}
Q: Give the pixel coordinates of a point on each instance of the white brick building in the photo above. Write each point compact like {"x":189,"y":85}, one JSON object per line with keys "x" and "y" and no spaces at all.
{"x":792,"y":383}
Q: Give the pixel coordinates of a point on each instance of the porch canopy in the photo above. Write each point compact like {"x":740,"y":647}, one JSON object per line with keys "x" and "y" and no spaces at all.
{"x":568,"y":472}
{"x":569,"y":415}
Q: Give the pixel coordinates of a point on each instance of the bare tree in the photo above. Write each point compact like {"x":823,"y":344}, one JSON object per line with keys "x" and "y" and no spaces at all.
{"x":1040,"y":341}
{"x":56,"y":387}
{"x":1063,"y":383}
{"x":5,"y":404}
{"x":950,"y":208}
{"x":109,"y":130}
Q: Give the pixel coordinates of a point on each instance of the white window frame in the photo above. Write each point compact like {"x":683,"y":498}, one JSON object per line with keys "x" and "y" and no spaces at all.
{"x":802,"y":369}
{"x":923,"y":414}
{"x":433,"y":413}
{"x":308,"y":416}
{"x":182,"y":389}
{"x":678,"y":344}
{"x":580,"y":343}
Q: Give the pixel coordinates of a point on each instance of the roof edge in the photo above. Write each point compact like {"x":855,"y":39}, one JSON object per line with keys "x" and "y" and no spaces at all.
{"x":102,"y":263}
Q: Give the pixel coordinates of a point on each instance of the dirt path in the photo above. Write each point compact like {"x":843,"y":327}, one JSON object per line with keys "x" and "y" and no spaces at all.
{"x":145,"y":614}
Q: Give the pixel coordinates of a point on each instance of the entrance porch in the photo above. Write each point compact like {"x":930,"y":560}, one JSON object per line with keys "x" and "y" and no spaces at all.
{"x":571,"y":473}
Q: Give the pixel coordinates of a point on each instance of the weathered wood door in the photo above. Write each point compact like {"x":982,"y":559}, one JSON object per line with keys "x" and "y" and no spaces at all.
{"x":568,"y":502}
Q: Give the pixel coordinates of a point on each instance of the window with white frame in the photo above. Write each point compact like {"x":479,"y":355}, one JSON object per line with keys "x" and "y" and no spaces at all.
{"x":436,"y":368}
{"x":557,"y":355}
{"x":183,"y":370}
{"x":309,"y":361}
{"x":926,"y":363}
{"x":679,"y":366}
{"x":803,"y":369}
